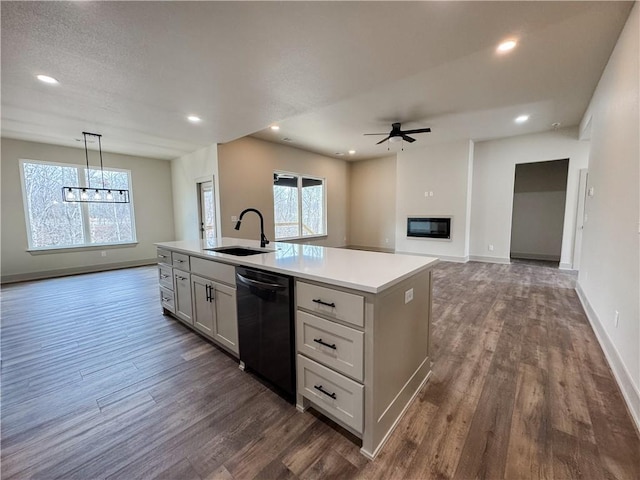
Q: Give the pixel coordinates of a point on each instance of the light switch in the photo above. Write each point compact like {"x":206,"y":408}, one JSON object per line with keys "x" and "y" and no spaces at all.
{"x":591,"y":191}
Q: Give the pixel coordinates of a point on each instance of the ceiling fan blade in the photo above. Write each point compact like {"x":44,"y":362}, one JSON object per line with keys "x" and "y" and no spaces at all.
{"x":382,"y":141}
{"x":375,"y":133}
{"x":408,"y":139}
{"x":418,"y":130}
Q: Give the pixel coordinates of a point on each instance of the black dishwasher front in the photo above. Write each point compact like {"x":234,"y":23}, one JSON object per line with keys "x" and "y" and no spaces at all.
{"x":266,"y":327}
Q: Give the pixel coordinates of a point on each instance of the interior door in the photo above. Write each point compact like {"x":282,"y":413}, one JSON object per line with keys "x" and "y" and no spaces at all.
{"x":207,"y":210}
{"x":582,"y":195}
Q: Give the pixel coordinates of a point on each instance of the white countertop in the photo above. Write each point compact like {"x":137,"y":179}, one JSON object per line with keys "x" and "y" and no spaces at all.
{"x":370,"y":272}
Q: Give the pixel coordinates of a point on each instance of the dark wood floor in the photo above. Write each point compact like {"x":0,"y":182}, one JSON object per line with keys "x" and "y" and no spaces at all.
{"x":96,"y":383}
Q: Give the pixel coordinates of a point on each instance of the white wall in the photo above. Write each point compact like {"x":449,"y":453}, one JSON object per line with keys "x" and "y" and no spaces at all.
{"x":151,"y":193}
{"x":372,"y":199}
{"x":186,"y":172}
{"x":443,"y":169}
{"x":246,"y":180}
{"x":493,"y":181}
{"x":609,"y":269}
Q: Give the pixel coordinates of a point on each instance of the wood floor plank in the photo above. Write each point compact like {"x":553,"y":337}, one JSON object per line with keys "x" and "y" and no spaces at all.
{"x":97,"y":383}
{"x":529,"y":452}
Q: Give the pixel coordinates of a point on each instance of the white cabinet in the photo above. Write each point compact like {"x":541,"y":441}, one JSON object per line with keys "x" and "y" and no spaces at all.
{"x":338,"y":347}
{"x":165,"y":279}
{"x":225,"y":327}
{"x":215,"y":312}
{"x":201,"y":293}
{"x":182,"y":282}
{"x":204,"y":310}
{"x":362,"y":357}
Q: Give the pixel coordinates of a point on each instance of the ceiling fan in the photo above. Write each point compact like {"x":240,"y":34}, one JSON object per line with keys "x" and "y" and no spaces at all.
{"x":396,"y":133}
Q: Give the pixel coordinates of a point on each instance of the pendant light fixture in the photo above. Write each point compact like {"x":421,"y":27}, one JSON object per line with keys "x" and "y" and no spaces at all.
{"x":91,"y":194}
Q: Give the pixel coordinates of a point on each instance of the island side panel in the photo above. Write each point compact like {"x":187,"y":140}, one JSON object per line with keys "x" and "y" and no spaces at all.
{"x":400,"y":353}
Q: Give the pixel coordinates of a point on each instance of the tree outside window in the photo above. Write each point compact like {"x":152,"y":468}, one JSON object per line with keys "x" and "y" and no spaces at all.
{"x":52,"y":223}
{"x":299,"y":206}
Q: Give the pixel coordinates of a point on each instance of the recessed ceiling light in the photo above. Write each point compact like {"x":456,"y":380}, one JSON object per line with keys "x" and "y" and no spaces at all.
{"x":194,"y":119}
{"x":47,"y":79}
{"x":522,"y":118}
{"x":352,"y":152}
{"x":275,"y":128}
{"x":506,"y":46}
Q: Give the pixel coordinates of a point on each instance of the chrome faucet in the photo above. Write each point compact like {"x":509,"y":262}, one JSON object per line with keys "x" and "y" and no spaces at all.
{"x":263,"y":238}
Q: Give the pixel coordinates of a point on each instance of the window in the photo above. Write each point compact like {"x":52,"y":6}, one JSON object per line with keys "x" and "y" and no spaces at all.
{"x":52,"y":223}
{"x":298,"y":206}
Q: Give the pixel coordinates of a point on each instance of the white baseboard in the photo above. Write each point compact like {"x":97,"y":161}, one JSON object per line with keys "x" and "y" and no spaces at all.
{"x":567,"y":266}
{"x":629,"y":390}
{"x":482,"y":258}
{"x":445,"y":258}
{"x":64,"y":272}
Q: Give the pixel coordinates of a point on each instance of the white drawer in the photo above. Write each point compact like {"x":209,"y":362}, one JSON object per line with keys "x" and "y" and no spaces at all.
{"x":336,"y":346}
{"x":164,"y":256}
{"x":334,"y":393}
{"x":331,"y":303}
{"x":180,"y":260}
{"x":167,"y":299}
{"x":165,"y":278}
{"x":214,"y":270}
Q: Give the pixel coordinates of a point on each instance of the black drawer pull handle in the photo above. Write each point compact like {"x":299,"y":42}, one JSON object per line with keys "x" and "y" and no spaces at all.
{"x":319,"y":340}
{"x":162,"y":256}
{"x":180,"y":261}
{"x":164,"y":276}
{"x":319,"y":387}
{"x":317,"y":300}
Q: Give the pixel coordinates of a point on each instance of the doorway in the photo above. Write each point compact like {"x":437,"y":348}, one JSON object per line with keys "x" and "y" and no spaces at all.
{"x":207,"y":211}
{"x":539,"y":199}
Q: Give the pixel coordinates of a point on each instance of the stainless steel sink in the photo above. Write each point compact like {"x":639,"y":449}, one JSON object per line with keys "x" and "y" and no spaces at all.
{"x":237,"y":251}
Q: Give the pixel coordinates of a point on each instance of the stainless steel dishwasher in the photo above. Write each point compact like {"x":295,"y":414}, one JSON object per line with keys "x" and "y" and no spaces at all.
{"x":266,"y":327}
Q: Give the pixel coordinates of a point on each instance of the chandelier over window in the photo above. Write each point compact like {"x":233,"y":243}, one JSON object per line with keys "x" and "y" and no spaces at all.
{"x":93,"y":194}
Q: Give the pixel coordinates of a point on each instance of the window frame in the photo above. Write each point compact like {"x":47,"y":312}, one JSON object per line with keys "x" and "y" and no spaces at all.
{"x":84,"y":209}
{"x":300,"y":236}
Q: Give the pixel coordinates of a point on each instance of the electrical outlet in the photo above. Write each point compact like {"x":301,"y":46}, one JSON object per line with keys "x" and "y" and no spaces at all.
{"x":408,"y":295}
{"x":616,"y":318}
{"x":234,"y":218}
{"x":103,"y":253}
{"x":490,"y":247}
{"x":426,"y":194}
{"x":431,"y":194}
{"x":386,"y":240}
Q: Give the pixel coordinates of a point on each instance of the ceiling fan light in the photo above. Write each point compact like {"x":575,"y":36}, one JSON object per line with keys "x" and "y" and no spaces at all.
{"x":395,"y":139}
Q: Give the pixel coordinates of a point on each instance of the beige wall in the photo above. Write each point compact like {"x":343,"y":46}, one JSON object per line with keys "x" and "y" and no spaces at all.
{"x":609,"y":276}
{"x":151,"y":193}
{"x":246,"y":169}
{"x":372,"y":192}
{"x":186,"y":172}
{"x":443,"y":169}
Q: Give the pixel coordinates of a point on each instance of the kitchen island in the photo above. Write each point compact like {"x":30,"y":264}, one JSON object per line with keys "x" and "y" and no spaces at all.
{"x":362,"y":322}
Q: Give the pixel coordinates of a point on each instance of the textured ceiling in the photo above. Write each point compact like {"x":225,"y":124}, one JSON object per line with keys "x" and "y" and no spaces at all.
{"x":326,"y":72}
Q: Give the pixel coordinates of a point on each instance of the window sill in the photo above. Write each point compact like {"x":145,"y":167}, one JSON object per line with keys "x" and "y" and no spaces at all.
{"x":80,"y":248}
{"x":308,"y":237}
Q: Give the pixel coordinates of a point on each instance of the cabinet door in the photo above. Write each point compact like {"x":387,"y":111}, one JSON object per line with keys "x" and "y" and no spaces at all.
{"x":204,"y":312}
{"x":183,"y":295}
{"x":226,"y":318}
